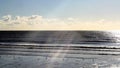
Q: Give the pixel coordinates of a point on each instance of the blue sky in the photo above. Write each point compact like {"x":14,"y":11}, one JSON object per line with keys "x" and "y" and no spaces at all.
{"x":84,"y":9}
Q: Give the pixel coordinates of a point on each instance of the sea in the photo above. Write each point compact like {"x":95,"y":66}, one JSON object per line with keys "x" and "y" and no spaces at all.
{"x":59,"y":49}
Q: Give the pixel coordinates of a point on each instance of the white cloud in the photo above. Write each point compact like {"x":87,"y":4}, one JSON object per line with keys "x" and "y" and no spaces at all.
{"x":7,"y":18}
{"x":102,"y":21}
{"x":37,"y":21}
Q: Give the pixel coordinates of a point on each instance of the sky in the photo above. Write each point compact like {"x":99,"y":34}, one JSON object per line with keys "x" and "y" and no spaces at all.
{"x":59,"y":11}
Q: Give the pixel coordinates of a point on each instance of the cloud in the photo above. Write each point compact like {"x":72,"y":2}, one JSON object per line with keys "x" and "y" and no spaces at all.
{"x":7,"y":18}
{"x":39,"y":22}
{"x":33,"y":20}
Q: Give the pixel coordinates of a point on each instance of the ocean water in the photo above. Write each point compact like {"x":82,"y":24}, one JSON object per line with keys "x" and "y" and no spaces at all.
{"x":81,"y":49}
